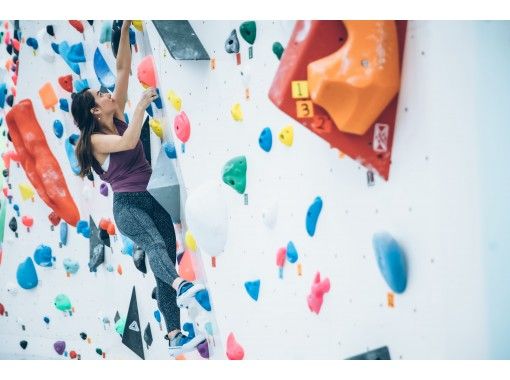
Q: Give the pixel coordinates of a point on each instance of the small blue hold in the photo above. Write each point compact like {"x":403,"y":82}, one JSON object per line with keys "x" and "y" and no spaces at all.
{"x":157,"y":101}
{"x":58,"y":128}
{"x":128,"y":246}
{"x":253,"y":287}
{"x":71,"y":153}
{"x":55,"y":47}
{"x":109,"y":268}
{"x":170,"y":150}
{"x":132,"y":37}
{"x":46,"y":320}
{"x":76,"y":53}
{"x":149,"y":111}
{"x":64,"y":105}
{"x":81,"y":225}
{"x":391,"y":261}
{"x":86,"y":232}
{"x":292,"y":254}
{"x":202,"y":298}
{"x":313,"y":215}
{"x":71,"y":266}
{"x":63,"y":233}
{"x":26,"y":274}
{"x":266,"y":139}
{"x":80,"y":85}
{"x":157,"y":315}
{"x":16,"y":208}
{"x":43,"y":256}
{"x":32,"y":42}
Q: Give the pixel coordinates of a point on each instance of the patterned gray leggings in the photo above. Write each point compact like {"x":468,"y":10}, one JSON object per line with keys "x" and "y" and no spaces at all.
{"x":141,"y":218}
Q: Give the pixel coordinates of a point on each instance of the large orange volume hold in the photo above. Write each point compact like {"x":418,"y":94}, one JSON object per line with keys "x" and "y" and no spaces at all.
{"x":40,"y":165}
{"x":356,"y":83}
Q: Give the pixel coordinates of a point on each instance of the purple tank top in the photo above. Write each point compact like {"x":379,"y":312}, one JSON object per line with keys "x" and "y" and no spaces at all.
{"x":128,"y":171}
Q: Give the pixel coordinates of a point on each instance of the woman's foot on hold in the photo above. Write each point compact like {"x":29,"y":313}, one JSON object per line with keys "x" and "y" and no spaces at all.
{"x":187,"y":292}
{"x":181,"y":343}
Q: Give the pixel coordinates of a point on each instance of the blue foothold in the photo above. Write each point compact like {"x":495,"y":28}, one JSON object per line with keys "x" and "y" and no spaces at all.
{"x":266,"y":139}
{"x":292,"y":254}
{"x":313,"y":215}
{"x":42,"y":256}
{"x":26,"y":274}
{"x":58,"y":128}
{"x":202,"y":298}
{"x":391,"y":261}
{"x":64,"y":105}
{"x":253,"y":287}
{"x":170,"y":150}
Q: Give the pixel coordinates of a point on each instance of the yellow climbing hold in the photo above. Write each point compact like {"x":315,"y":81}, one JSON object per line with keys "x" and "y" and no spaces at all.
{"x":26,"y":191}
{"x":174,"y":99}
{"x":156,"y":127}
{"x":286,"y":135}
{"x":237,"y":112}
{"x":138,"y":24}
{"x":190,"y":241}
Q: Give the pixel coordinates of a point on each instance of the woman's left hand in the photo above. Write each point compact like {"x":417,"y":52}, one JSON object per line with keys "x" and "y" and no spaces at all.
{"x":126,"y":24}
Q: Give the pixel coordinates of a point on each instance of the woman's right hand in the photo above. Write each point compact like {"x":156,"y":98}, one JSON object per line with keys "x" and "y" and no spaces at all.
{"x":148,"y":97}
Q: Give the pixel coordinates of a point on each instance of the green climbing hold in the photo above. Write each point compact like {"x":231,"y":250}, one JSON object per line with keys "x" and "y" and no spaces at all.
{"x":62,"y":302}
{"x":278,"y":50}
{"x":99,"y":351}
{"x":248,"y":31}
{"x":234,"y":173}
{"x":120,"y":325}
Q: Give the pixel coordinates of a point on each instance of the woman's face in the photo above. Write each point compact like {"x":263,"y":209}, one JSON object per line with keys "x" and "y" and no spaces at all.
{"x":105,"y":103}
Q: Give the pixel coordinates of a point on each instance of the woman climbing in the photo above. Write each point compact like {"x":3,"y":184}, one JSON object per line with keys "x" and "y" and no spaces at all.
{"x":114,"y":151}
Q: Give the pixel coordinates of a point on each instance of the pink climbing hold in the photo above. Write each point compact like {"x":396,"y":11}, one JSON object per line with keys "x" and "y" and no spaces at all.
{"x":2,"y":309}
{"x":316,"y":296}
{"x":234,"y":349}
{"x":280,"y":260}
{"x":182,"y":126}
{"x":27,"y":221}
{"x":146,"y":72}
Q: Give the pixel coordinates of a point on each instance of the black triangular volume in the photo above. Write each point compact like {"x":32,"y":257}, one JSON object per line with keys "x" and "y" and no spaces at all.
{"x":145,"y":136}
{"x":132,"y":337}
{"x":181,"y":40}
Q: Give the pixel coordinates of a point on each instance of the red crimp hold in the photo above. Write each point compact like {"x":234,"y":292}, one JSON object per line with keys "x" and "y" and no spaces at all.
{"x":76,"y":24}
{"x":316,"y":296}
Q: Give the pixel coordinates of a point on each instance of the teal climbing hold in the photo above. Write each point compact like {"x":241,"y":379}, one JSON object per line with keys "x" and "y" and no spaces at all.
{"x":62,"y":302}
{"x":106,"y":32}
{"x":43,"y":256}
{"x":292,"y":255}
{"x":248,"y":31}
{"x":313,"y":215}
{"x":120,"y":325}
{"x":234,"y":173}
{"x":71,"y":266}
{"x":26,"y":274}
{"x":391,"y":261}
{"x":253,"y":287}
{"x":83,"y":228}
{"x":278,"y":50}
{"x":266,"y":139}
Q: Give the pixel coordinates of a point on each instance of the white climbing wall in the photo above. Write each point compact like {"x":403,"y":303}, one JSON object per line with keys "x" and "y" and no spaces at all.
{"x":446,"y":202}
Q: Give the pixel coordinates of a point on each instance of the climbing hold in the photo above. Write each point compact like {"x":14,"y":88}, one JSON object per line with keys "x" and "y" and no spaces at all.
{"x":292,"y":254}
{"x":64,"y":105}
{"x":186,"y":269}
{"x":313,"y":215}
{"x":9,"y":100}
{"x":286,"y":135}
{"x":207,"y":217}
{"x":43,"y":256}
{"x":157,"y":316}
{"x":149,"y":111}
{"x":23,"y":344}
{"x":59,"y":346}
{"x":109,"y":268}
{"x":391,"y":261}
{"x":26,"y":191}
{"x":234,"y":173}
{"x":82,"y":226}
{"x":158,"y":102}
{"x":147,"y":335}
{"x":83,"y":335}
{"x":202,"y":297}
{"x":32,"y":42}
{"x":248,"y":31}
{"x":105,"y":76}
{"x":232,"y":43}
{"x":48,"y":96}
{"x":13,"y":224}
{"x":97,"y":257}
{"x":253,"y":287}
{"x":71,"y":266}
{"x":281,"y":254}
{"x":190,"y":241}
{"x":138,"y":24}
{"x":80,"y":85}
{"x":139,"y":260}
{"x":119,"y":269}
{"x":170,"y":150}
{"x":58,"y":128}
{"x":103,"y":189}
{"x":236,"y":112}
{"x":63,"y":233}
{"x":234,"y":349}
{"x":62,"y":302}
{"x":104,"y":223}
{"x":203,"y":350}
{"x":316,"y":296}
{"x":99,"y":351}
{"x":111,"y":229}
{"x":116,"y":32}
{"x":106,"y":32}
{"x":63,"y":50}
{"x":73,"y":354}
{"x":26,"y":274}
{"x":54,"y":218}
{"x":266,"y":139}
{"x":66,"y":82}
{"x":182,"y":126}
{"x":2,"y":309}
{"x":50,"y":31}
{"x":27,"y":221}
{"x":156,"y":127}
{"x":278,"y":49}
{"x":76,"y":24}
{"x":76,"y":53}
{"x":174,"y":100}
{"x":127,"y":246}
{"x":146,"y":72}
{"x":46,"y":320}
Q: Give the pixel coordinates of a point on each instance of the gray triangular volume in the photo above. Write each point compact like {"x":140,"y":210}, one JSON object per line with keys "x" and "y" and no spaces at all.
{"x":181,"y":40}
{"x":132,"y":337}
{"x":145,"y":136}
{"x":381,"y":353}
{"x":117,"y":316}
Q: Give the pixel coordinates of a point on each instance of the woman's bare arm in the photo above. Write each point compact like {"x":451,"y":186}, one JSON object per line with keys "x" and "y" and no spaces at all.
{"x":123,"y":70}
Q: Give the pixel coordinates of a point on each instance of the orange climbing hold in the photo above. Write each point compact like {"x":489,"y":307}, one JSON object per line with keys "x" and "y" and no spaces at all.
{"x":36,"y":158}
{"x":186,"y":270}
{"x":357,"y":82}
{"x":119,"y":269}
{"x":48,"y":96}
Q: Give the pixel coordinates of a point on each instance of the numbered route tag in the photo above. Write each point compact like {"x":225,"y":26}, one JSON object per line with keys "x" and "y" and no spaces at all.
{"x":304,"y":108}
{"x":299,"y":89}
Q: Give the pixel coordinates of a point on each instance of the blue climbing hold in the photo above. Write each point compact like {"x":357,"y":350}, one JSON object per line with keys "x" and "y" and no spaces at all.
{"x":76,"y":53}
{"x":149,"y":111}
{"x":266,"y":139}
{"x":3,"y":94}
{"x":16,"y":208}
{"x":158,"y":101}
{"x":80,"y":85}
{"x":26,"y":274}
{"x":43,"y":256}
{"x":63,"y":50}
{"x":292,"y":254}
{"x":202,"y":298}
{"x":71,"y":154}
{"x":391,"y":261}
{"x":32,"y":42}
{"x":157,"y":315}
{"x":128,"y":247}
{"x":170,"y":150}
{"x":126,"y":118}
{"x":313,"y":215}
{"x":81,"y":226}
{"x":58,"y":128}
{"x":103,"y":72}
{"x":253,"y":287}
{"x":63,"y":233}
{"x":109,"y":268}
{"x":55,"y":47}
{"x":64,"y":105}
{"x":71,"y":266}
{"x":132,"y":37}
{"x":46,"y":320}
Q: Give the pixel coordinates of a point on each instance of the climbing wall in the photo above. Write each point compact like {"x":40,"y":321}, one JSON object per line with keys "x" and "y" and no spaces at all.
{"x":445,"y":203}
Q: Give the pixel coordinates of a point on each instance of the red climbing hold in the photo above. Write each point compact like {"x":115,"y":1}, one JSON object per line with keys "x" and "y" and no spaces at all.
{"x":15,"y":44}
{"x":234,"y":349}
{"x":27,"y":221}
{"x":76,"y":24}
{"x":146,"y":72}
{"x":111,"y":229}
{"x":72,"y":354}
{"x":66,"y":82}
{"x":2,"y":309}
{"x":54,"y":218}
